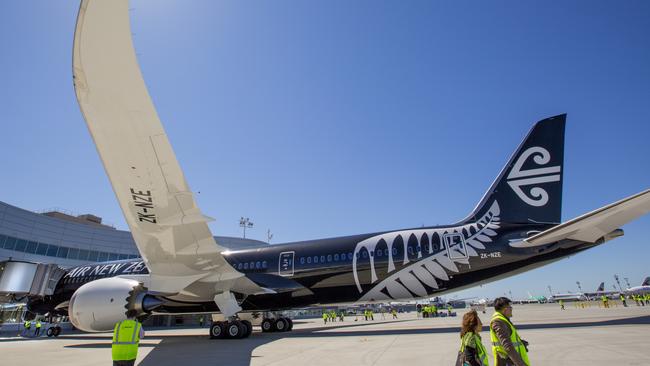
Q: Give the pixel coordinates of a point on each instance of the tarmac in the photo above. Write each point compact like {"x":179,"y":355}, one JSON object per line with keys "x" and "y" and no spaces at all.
{"x":575,"y":336}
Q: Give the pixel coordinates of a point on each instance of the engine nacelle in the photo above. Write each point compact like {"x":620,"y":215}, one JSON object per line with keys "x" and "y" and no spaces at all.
{"x":98,"y":305}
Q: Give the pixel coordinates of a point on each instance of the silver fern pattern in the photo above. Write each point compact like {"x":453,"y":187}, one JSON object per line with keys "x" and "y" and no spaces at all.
{"x":426,"y":270}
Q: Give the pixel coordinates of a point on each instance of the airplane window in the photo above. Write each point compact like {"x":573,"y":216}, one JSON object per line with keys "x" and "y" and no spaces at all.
{"x":322,"y":259}
{"x":358,"y":255}
{"x":378,"y":253}
{"x":329,"y":257}
{"x":302,"y":260}
{"x":435,"y":242}
{"x":245,"y":265}
{"x":394,"y":251}
{"x":336,"y":257}
{"x":251,"y":265}
{"x":309,"y":260}
{"x":264,"y":264}
{"x":350,"y":256}
{"x":365,"y":254}
{"x":410,"y":250}
{"x":315,"y":259}
{"x":258,"y":265}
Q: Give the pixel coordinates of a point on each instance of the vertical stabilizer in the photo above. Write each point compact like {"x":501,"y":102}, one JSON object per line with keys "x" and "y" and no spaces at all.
{"x":529,"y":188}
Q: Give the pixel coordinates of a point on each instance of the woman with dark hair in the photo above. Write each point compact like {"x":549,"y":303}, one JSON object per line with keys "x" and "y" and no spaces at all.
{"x":472,"y":352}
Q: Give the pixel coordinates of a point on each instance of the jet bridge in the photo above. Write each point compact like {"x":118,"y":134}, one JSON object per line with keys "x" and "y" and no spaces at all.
{"x":19,"y":279}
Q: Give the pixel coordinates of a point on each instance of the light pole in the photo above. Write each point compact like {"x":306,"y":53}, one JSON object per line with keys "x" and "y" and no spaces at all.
{"x":627,"y":282}
{"x":245,"y":222}
{"x":269,"y":236}
{"x":618,"y":282}
{"x":579,"y":287}
{"x":550,"y":290}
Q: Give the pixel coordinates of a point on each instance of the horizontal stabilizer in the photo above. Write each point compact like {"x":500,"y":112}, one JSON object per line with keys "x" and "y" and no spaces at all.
{"x":593,"y":225}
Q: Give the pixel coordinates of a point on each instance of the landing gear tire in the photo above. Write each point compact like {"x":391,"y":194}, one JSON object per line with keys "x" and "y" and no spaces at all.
{"x":235,"y":329}
{"x":56,"y":331}
{"x":217,"y":330}
{"x":268,"y":325}
{"x":249,"y":328}
{"x":281,"y":325}
{"x":289,"y":324}
{"x":50,"y":332}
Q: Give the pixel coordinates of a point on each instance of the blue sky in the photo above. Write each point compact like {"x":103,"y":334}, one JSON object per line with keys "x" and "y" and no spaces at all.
{"x":321,"y":119}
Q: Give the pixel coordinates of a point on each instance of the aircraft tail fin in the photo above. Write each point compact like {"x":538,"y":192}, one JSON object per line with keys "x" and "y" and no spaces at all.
{"x":601,"y":287}
{"x":529,"y":188}
{"x":646,"y":282}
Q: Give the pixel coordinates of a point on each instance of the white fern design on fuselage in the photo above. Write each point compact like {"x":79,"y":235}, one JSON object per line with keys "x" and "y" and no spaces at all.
{"x":408,"y":282}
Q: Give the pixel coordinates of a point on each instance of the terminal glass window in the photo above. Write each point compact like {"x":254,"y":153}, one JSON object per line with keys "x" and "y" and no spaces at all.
{"x":73,"y":253}
{"x":20,"y":245}
{"x":83,"y":255}
{"x":112,"y":257}
{"x":92,"y":256}
{"x":63,"y":252}
{"x":102,"y":257}
{"x":51,"y":250}
{"x":123,"y":256}
{"x":41,"y":249}
{"x":10,"y":243}
{"x":31,"y":247}
{"x":2,"y":240}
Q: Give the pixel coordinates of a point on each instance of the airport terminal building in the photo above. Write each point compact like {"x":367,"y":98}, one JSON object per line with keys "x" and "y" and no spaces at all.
{"x":56,"y":237}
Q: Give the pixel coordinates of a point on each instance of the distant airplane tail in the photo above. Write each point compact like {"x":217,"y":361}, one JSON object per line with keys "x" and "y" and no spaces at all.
{"x":646,"y":282}
{"x":601,"y":287}
{"x":529,"y":188}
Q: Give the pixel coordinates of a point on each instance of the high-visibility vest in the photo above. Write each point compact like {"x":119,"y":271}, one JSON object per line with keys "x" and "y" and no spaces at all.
{"x":126,"y":336}
{"x":38,"y":324}
{"x":28,"y":324}
{"x":473,"y":338}
{"x":497,"y":348}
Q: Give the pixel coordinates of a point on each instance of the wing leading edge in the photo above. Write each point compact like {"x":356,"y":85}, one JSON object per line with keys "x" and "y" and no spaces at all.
{"x":169,"y":229}
{"x":594,"y":225}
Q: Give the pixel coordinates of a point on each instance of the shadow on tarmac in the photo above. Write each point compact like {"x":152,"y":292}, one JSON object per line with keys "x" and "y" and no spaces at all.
{"x":174,"y":350}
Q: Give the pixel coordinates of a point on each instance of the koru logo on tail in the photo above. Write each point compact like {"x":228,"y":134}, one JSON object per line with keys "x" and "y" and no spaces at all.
{"x":523,"y":178}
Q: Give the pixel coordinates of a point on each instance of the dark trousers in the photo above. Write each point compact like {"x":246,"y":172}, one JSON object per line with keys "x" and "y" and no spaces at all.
{"x":124,"y":363}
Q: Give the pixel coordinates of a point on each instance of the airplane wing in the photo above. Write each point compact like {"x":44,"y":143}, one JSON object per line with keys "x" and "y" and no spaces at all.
{"x":593,"y":225}
{"x":169,"y":229}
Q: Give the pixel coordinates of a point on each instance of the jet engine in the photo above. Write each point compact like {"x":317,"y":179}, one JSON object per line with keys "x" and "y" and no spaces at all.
{"x":98,"y":305}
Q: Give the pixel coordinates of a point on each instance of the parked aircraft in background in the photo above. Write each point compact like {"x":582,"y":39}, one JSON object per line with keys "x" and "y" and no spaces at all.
{"x":640,"y":290}
{"x":515,"y":227}
{"x":585,"y":296}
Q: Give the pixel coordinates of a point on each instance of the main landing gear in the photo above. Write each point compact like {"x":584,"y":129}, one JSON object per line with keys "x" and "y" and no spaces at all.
{"x":231,"y":329}
{"x":280,"y":324}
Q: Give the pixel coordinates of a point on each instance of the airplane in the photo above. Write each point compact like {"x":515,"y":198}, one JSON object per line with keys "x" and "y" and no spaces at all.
{"x":585,"y":296}
{"x":515,"y":227}
{"x":639,"y":290}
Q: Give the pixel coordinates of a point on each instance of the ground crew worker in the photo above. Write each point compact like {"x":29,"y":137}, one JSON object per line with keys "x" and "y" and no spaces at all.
{"x":325,"y":316}
{"x":27,"y":325}
{"x":623,"y":300}
{"x":434,"y":310}
{"x":449,"y":308}
{"x":126,"y":337}
{"x":371,"y":314}
{"x":472,"y":352}
{"x":508,"y":348}
{"x":605,"y":301}
{"x":394,"y":312}
{"x":561,"y":305}
{"x":647,"y":299}
{"x":37,"y":332}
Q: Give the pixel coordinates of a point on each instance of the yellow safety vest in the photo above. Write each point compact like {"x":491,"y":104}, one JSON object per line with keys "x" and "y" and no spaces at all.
{"x":497,"y":348}
{"x":473,"y":338}
{"x":28,"y":325}
{"x":38,"y":324}
{"x":126,"y":336}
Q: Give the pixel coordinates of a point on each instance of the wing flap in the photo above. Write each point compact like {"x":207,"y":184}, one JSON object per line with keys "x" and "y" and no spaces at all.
{"x":594,"y":225}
